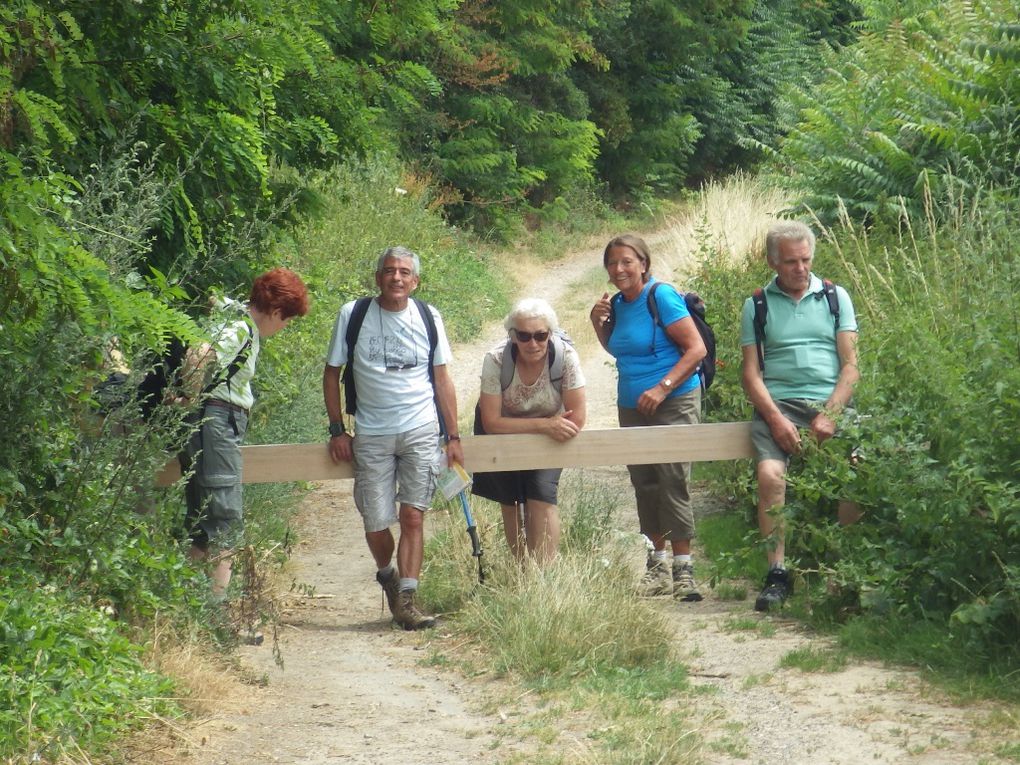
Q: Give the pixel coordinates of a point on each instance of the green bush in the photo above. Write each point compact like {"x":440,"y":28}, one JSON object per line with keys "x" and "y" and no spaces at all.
{"x":70,"y":676}
{"x":937,"y":477}
{"x":940,"y":453}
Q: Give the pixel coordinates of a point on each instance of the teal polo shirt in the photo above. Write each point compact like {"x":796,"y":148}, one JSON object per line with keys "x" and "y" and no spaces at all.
{"x":800,"y":340}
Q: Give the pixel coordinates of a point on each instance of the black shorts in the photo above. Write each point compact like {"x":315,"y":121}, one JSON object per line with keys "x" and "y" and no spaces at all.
{"x":510,"y":487}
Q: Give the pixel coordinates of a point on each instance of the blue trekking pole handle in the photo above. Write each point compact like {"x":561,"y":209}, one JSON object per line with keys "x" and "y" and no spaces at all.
{"x":472,"y":530}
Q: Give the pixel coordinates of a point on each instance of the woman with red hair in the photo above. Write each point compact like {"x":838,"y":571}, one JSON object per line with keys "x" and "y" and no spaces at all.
{"x":215,"y":516}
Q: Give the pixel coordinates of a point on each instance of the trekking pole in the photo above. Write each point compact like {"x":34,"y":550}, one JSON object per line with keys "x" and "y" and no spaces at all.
{"x":522,"y":517}
{"x":472,"y":530}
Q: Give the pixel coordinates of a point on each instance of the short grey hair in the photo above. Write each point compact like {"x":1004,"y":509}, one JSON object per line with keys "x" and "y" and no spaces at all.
{"x":532,"y":308}
{"x":398,"y":253}
{"x":787,"y":231}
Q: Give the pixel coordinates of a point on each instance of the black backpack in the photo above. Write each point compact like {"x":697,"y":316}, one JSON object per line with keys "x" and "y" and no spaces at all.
{"x":354,"y":329}
{"x":557,"y":344}
{"x":761,"y":311}
{"x":163,"y":370}
{"x":696,"y":308}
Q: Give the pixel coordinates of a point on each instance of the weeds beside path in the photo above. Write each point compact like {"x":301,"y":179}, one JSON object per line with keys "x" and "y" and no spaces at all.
{"x":762,"y":688}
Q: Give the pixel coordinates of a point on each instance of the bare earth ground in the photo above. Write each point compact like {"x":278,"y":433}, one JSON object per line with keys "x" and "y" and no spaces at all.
{"x":353,"y":690}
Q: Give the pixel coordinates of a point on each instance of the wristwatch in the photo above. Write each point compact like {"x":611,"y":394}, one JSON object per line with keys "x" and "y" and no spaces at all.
{"x":667,"y":384}
{"x":336,"y":429}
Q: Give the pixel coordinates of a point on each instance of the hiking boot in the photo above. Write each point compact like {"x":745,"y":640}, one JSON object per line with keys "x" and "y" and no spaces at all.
{"x":778,"y":587}
{"x":391,"y":587}
{"x":408,"y":615}
{"x":684,"y":586}
{"x":657,"y":580}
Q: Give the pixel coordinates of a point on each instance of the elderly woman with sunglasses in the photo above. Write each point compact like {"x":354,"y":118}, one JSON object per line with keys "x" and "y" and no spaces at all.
{"x":657,"y":385}
{"x":540,"y":394}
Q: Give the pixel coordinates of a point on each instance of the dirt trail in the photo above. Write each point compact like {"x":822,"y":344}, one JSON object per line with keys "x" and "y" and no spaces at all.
{"x":353,"y":690}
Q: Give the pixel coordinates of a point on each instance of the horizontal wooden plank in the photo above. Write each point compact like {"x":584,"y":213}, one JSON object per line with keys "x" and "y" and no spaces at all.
{"x":482,"y":454}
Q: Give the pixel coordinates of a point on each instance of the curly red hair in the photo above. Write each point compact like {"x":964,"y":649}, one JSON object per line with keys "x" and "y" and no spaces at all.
{"x":280,"y":289}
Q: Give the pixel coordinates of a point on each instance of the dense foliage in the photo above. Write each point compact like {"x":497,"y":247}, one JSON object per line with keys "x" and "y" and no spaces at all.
{"x":939,"y":475}
{"x":909,"y":149}
{"x":927,"y":97}
{"x":510,"y":106}
{"x":152,"y":151}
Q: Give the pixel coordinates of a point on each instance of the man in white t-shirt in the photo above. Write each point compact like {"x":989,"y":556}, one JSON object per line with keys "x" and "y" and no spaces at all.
{"x":396,"y":445}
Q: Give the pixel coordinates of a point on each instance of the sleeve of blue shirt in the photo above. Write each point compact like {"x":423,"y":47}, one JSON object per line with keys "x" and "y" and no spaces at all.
{"x":847,"y":316}
{"x":671,"y":304}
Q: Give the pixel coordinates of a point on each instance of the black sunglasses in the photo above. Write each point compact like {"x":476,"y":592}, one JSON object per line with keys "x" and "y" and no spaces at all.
{"x":540,"y":337}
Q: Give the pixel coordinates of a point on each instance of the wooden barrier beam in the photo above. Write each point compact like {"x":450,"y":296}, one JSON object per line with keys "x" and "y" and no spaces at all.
{"x":484,"y":454}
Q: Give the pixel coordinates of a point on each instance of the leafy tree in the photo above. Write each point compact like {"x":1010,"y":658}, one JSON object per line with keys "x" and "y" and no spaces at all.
{"x":217,"y":89}
{"x":510,"y":128}
{"x":743,"y":103}
{"x":912,"y":104}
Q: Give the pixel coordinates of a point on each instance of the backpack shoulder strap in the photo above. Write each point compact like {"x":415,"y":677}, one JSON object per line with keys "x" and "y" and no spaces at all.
{"x":653,"y":307}
{"x":232,"y":368}
{"x":354,"y":325}
{"x":611,"y":321}
{"x":829,"y":290}
{"x":351,"y":337}
{"x":556,"y":355}
{"x":506,"y":371}
{"x":761,"y":310}
{"x":433,"y":332}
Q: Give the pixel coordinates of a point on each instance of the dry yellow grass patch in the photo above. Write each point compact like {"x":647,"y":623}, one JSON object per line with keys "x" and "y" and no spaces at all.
{"x":207,"y":684}
{"x":725,"y":222}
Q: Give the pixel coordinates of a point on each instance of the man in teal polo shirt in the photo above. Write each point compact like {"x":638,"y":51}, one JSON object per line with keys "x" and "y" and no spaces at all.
{"x":805,"y":378}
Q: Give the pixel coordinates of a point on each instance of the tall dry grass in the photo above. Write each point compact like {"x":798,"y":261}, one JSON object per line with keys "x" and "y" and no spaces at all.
{"x":724,"y":225}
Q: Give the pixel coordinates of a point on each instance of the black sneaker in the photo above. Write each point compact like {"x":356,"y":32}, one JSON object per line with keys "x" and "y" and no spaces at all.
{"x":778,"y":587}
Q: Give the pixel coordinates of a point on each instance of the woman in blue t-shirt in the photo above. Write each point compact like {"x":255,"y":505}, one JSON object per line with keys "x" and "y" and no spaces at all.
{"x":658,"y":385}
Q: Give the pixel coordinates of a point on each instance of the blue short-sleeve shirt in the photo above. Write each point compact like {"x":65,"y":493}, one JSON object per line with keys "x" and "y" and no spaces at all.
{"x":644,"y":352}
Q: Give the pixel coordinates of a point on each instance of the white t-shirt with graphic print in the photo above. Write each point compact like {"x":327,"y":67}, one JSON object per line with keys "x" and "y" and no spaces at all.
{"x":228,"y":337}
{"x":391,"y":360}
